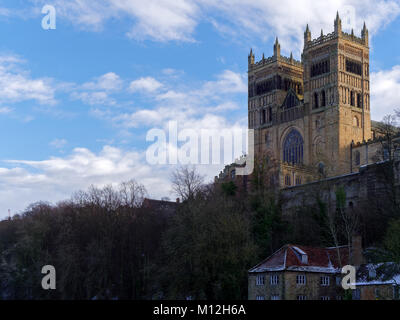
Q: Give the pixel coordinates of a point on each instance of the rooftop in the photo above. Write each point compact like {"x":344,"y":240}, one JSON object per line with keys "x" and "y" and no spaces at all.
{"x":302,"y":258}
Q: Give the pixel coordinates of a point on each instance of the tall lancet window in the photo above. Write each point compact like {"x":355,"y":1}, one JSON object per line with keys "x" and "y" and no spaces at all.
{"x":293,"y":148}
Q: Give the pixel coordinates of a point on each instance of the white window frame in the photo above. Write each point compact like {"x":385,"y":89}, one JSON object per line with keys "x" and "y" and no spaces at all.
{"x":301,"y":297}
{"x":301,"y":279}
{"x":274,"y":280}
{"x":325,"y":281}
{"x":260,"y":280}
{"x":260,"y":298}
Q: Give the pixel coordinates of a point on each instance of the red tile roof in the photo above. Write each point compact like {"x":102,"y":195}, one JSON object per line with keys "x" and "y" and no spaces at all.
{"x":289,"y":257}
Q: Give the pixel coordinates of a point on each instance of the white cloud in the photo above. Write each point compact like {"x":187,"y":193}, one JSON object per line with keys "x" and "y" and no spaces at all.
{"x":94,"y":98}
{"x":146,"y":84}
{"x":265,"y":19}
{"x":17,"y":85}
{"x":385,"y":92}
{"x":58,"y":143}
{"x":228,"y":82}
{"x":173,"y":73}
{"x":57,"y":178}
{"x":165,"y":20}
{"x":159,"y":20}
{"x":5,"y":110}
{"x":98,"y":91}
{"x":108,"y":82}
{"x":184,"y":104}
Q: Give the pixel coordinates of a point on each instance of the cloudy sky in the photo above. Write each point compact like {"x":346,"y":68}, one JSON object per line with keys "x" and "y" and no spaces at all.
{"x":77,"y":102}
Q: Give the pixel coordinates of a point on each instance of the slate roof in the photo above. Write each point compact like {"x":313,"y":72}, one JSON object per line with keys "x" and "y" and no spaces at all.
{"x":378,"y":274}
{"x":289,"y":257}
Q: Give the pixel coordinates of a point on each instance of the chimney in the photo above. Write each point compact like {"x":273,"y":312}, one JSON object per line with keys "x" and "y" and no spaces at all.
{"x":178,"y":200}
{"x":357,"y":257}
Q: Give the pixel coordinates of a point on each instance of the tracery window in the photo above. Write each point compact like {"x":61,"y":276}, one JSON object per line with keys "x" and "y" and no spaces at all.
{"x":293,"y":148}
{"x":353,"y":67}
{"x":320,"y":68}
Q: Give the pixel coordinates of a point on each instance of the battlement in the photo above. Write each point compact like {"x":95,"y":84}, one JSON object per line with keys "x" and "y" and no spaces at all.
{"x":320,"y":40}
{"x":337,"y":33}
{"x":276,"y":58}
{"x":353,"y":38}
{"x":272,"y":59}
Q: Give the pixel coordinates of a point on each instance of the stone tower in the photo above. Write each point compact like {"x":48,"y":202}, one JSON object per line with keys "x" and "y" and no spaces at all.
{"x":306,"y":114}
{"x":270,"y":81}
{"x":336,"y":91}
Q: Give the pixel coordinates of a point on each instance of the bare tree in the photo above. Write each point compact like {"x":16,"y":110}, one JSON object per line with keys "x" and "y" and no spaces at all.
{"x":389,"y":132}
{"x":349,"y":217}
{"x":132,"y":193}
{"x":186,"y":182}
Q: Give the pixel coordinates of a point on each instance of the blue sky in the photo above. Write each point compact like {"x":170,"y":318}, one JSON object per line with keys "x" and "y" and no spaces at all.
{"x":76,"y":102}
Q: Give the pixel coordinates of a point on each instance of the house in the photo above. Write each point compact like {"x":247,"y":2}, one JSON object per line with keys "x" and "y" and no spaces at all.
{"x":297,"y":272}
{"x":379,"y":281}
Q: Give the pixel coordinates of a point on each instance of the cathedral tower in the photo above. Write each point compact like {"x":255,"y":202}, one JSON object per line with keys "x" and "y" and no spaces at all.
{"x":336,"y":91}
{"x":306,"y":114}
{"x":275,"y":92}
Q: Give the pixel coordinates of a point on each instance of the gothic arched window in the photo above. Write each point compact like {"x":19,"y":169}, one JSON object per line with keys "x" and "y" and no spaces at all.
{"x":293,"y":147}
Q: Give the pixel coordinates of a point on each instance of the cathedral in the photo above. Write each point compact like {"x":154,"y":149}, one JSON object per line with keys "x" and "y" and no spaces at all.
{"x":311,"y":118}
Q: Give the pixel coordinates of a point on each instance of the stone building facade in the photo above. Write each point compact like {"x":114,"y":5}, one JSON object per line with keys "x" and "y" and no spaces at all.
{"x":298,"y":273}
{"x":378,"y":281}
{"x":308,"y":113}
{"x":309,"y":116}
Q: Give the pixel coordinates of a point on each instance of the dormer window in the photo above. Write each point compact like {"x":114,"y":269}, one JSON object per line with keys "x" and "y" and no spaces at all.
{"x":301,"y":255}
{"x":372,"y":273}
